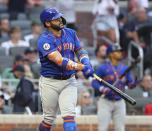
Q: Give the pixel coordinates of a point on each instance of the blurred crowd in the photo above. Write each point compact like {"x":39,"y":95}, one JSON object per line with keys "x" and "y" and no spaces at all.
{"x":20,"y":28}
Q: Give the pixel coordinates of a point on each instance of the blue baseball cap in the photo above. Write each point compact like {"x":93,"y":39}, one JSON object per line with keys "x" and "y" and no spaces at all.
{"x":113,"y":48}
{"x":49,"y":14}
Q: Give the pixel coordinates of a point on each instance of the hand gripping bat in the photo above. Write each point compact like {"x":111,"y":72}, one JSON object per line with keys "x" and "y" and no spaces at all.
{"x":127,"y":70}
{"x":116,"y":90}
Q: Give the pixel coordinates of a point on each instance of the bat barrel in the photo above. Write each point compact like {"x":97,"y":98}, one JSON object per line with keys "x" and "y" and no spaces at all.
{"x":120,"y":93}
{"x":116,"y":90}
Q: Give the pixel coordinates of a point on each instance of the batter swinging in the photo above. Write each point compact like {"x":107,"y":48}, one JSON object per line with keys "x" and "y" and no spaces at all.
{"x":57,"y":47}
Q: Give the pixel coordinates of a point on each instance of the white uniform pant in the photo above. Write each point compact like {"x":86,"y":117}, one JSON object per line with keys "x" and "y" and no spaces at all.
{"x":57,"y":94}
{"x":115,"y":110}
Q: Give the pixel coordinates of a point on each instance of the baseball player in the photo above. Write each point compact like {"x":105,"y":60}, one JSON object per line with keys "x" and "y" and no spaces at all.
{"x":110,"y":105}
{"x":57,"y":47}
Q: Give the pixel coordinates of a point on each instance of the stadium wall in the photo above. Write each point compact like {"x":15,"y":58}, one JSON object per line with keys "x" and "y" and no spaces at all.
{"x":85,"y":123}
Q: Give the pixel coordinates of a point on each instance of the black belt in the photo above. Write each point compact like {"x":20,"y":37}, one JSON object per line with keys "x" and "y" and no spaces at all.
{"x":61,"y":77}
{"x":110,"y":99}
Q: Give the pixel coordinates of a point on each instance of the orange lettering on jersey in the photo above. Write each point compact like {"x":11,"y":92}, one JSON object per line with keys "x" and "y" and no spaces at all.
{"x":64,"y":45}
{"x":60,"y":48}
{"x":68,"y":46}
{"x":71,"y":46}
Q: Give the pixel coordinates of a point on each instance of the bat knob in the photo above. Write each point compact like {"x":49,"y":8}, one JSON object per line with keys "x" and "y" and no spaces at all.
{"x":133,"y":102}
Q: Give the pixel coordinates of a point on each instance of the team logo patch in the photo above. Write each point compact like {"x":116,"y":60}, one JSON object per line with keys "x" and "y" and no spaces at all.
{"x":46,"y":46}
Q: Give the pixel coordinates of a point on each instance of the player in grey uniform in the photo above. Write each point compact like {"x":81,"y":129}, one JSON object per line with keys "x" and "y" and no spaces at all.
{"x":111,"y":105}
{"x":57,"y":47}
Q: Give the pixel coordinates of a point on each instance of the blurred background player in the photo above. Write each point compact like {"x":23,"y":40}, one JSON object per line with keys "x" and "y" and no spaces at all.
{"x":24,"y":90}
{"x":105,"y":12}
{"x":57,"y":47}
{"x":110,"y":105}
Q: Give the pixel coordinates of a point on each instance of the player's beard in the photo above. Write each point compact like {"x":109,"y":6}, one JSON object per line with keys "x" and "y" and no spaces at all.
{"x":55,"y":27}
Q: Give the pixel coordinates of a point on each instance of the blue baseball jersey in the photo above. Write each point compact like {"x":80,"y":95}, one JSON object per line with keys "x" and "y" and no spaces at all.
{"x":111,"y":73}
{"x":67,"y":45}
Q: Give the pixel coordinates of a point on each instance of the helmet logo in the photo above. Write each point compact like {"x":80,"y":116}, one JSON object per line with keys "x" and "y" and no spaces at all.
{"x":51,"y":12}
{"x":46,"y":46}
{"x":57,"y":11}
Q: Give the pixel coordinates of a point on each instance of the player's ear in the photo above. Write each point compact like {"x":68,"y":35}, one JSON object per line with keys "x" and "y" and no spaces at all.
{"x":47,"y":23}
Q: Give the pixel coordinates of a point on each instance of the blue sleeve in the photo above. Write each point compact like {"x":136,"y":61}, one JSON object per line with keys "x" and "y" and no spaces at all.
{"x":45,"y":46}
{"x":95,"y":83}
{"x":130,"y":81}
{"x":129,"y":77}
{"x":78,"y":44}
{"x":80,"y":51}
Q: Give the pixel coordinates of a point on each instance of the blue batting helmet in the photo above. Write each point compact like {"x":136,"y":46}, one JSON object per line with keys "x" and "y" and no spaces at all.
{"x":113,"y":48}
{"x":50,"y":14}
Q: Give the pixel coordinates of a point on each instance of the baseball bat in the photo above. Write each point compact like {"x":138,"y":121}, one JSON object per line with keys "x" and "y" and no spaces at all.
{"x":127,"y":70}
{"x":116,"y":90}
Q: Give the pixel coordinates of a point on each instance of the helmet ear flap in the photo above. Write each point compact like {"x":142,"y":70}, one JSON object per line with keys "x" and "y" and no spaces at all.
{"x":63,"y":20}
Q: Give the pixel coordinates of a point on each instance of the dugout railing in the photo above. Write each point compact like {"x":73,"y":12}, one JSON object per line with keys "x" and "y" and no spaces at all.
{"x":140,"y":65}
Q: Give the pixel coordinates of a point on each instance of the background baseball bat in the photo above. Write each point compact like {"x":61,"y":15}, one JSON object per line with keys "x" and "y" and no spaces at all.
{"x":127,"y":70}
{"x":116,"y":90}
